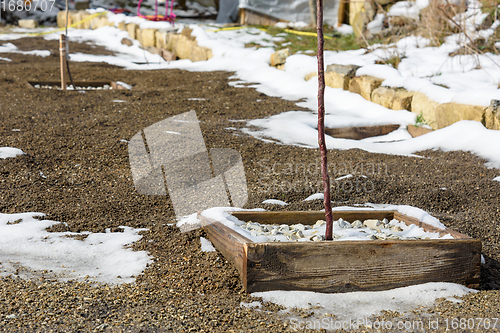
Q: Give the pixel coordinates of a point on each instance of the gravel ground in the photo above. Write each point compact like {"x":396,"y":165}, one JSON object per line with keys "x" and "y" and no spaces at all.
{"x":75,"y":139}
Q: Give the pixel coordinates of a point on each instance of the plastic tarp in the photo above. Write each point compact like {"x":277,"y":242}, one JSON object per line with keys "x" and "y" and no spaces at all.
{"x":292,"y":10}
{"x":228,"y":11}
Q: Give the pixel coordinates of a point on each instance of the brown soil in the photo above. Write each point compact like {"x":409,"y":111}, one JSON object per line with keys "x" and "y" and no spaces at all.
{"x":75,"y":140}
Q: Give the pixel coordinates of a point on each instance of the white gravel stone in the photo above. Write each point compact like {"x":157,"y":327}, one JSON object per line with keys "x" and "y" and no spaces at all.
{"x":372,"y":223}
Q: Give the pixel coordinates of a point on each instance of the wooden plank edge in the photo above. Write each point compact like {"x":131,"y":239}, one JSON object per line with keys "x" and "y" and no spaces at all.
{"x":218,"y":233}
{"x":247,"y":14}
{"x":361,"y":132}
{"x":469,"y":250}
{"x":310,"y":217}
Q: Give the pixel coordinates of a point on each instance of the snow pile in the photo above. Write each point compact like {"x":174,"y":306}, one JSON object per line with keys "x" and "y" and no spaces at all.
{"x":274,"y":202}
{"x":409,"y":9}
{"x":465,"y":135}
{"x":315,"y":196}
{"x":206,"y":245}
{"x":101,"y":257}
{"x":6,"y":152}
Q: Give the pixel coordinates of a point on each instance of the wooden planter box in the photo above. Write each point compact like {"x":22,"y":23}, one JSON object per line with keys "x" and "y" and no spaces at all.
{"x":345,"y":266}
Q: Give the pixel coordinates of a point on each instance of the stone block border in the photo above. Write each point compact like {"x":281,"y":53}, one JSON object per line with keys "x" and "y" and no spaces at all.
{"x":169,"y":45}
{"x":434,"y":114}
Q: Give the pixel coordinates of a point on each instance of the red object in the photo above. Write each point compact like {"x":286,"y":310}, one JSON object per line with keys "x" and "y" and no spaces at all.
{"x":119,"y":11}
{"x":169,"y":12}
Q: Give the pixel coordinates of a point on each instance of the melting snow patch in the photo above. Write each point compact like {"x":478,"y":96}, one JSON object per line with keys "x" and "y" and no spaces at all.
{"x":358,"y":306}
{"x":345,"y":29}
{"x":497,"y":179}
{"x":101,"y":257}
{"x":315,"y":196}
{"x":255,"y":304}
{"x":274,"y":202}
{"x":206,"y":245}
{"x":6,"y":152}
{"x":11,"y":48}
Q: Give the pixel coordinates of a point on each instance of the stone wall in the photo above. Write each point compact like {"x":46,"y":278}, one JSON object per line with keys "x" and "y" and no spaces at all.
{"x":436,"y":115}
{"x":167,"y":44}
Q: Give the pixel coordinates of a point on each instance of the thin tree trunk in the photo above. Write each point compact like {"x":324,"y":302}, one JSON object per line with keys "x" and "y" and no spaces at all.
{"x":321,"y":123}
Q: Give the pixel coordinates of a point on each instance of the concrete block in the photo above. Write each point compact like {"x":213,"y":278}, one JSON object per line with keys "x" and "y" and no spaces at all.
{"x":339,"y":76}
{"x":100,"y":21}
{"x":161,"y":39}
{"x":199,"y":53}
{"x":450,"y":113}
{"x":395,"y":99}
{"x":77,"y":17}
{"x":421,"y":104}
{"x":355,"y":7}
{"x":148,"y":37}
{"x":279,"y":57}
{"x":61,"y":18}
{"x":132,"y":30}
{"x":492,"y":115}
{"x":87,"y":24}
{"x":28,"y":24}
{"x":364,"y":85}
{"x":187,"y":32}
{"x":184,"y":47}
{"x":172,"y":40}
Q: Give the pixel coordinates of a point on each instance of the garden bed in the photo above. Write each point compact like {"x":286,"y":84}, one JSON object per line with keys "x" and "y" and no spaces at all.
{"x":344,"y":266}
{"x":81,"y":85}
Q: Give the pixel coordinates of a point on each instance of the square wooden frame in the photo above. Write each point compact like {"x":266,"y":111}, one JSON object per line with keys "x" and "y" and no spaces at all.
{"x":345,"y":266}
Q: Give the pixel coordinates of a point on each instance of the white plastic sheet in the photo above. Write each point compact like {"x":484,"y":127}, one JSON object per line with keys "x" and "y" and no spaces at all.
{"x":292,"y":10}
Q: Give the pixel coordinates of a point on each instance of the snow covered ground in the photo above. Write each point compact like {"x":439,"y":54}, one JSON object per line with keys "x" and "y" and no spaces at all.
{"x":423,"y":69}
{"x":27,"y":247}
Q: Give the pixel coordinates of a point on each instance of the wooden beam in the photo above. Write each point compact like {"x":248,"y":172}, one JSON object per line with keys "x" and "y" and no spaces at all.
{"x":361,"y":265}
{"x":360,"y":132}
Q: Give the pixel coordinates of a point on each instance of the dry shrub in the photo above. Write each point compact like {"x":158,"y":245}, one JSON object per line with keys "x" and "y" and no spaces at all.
{"x":435,"y":24}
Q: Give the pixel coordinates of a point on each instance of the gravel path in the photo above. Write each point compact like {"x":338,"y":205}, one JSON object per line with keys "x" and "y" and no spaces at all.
{"x":75,"y":139}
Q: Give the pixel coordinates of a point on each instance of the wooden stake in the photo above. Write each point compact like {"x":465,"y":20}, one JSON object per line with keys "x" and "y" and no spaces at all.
{"x":62,"y":52}
{"x":312,"y":11}
{"x":321,"y":122}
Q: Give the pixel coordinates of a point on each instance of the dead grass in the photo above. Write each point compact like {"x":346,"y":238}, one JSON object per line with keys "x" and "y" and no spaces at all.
{"x":435,"y":20}
{"x":304,"y":43}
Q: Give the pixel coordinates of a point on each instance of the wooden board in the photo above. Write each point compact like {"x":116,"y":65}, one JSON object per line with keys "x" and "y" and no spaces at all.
{"x":250,"y":17}
{"x":342,"y":13}
{"x":360,"y":265}
{"x":113,"y":84}
{"x":231,"y":244}
{"x":360,"y":132}
{"x":344,"y":266}
{"x":417,"y":130}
